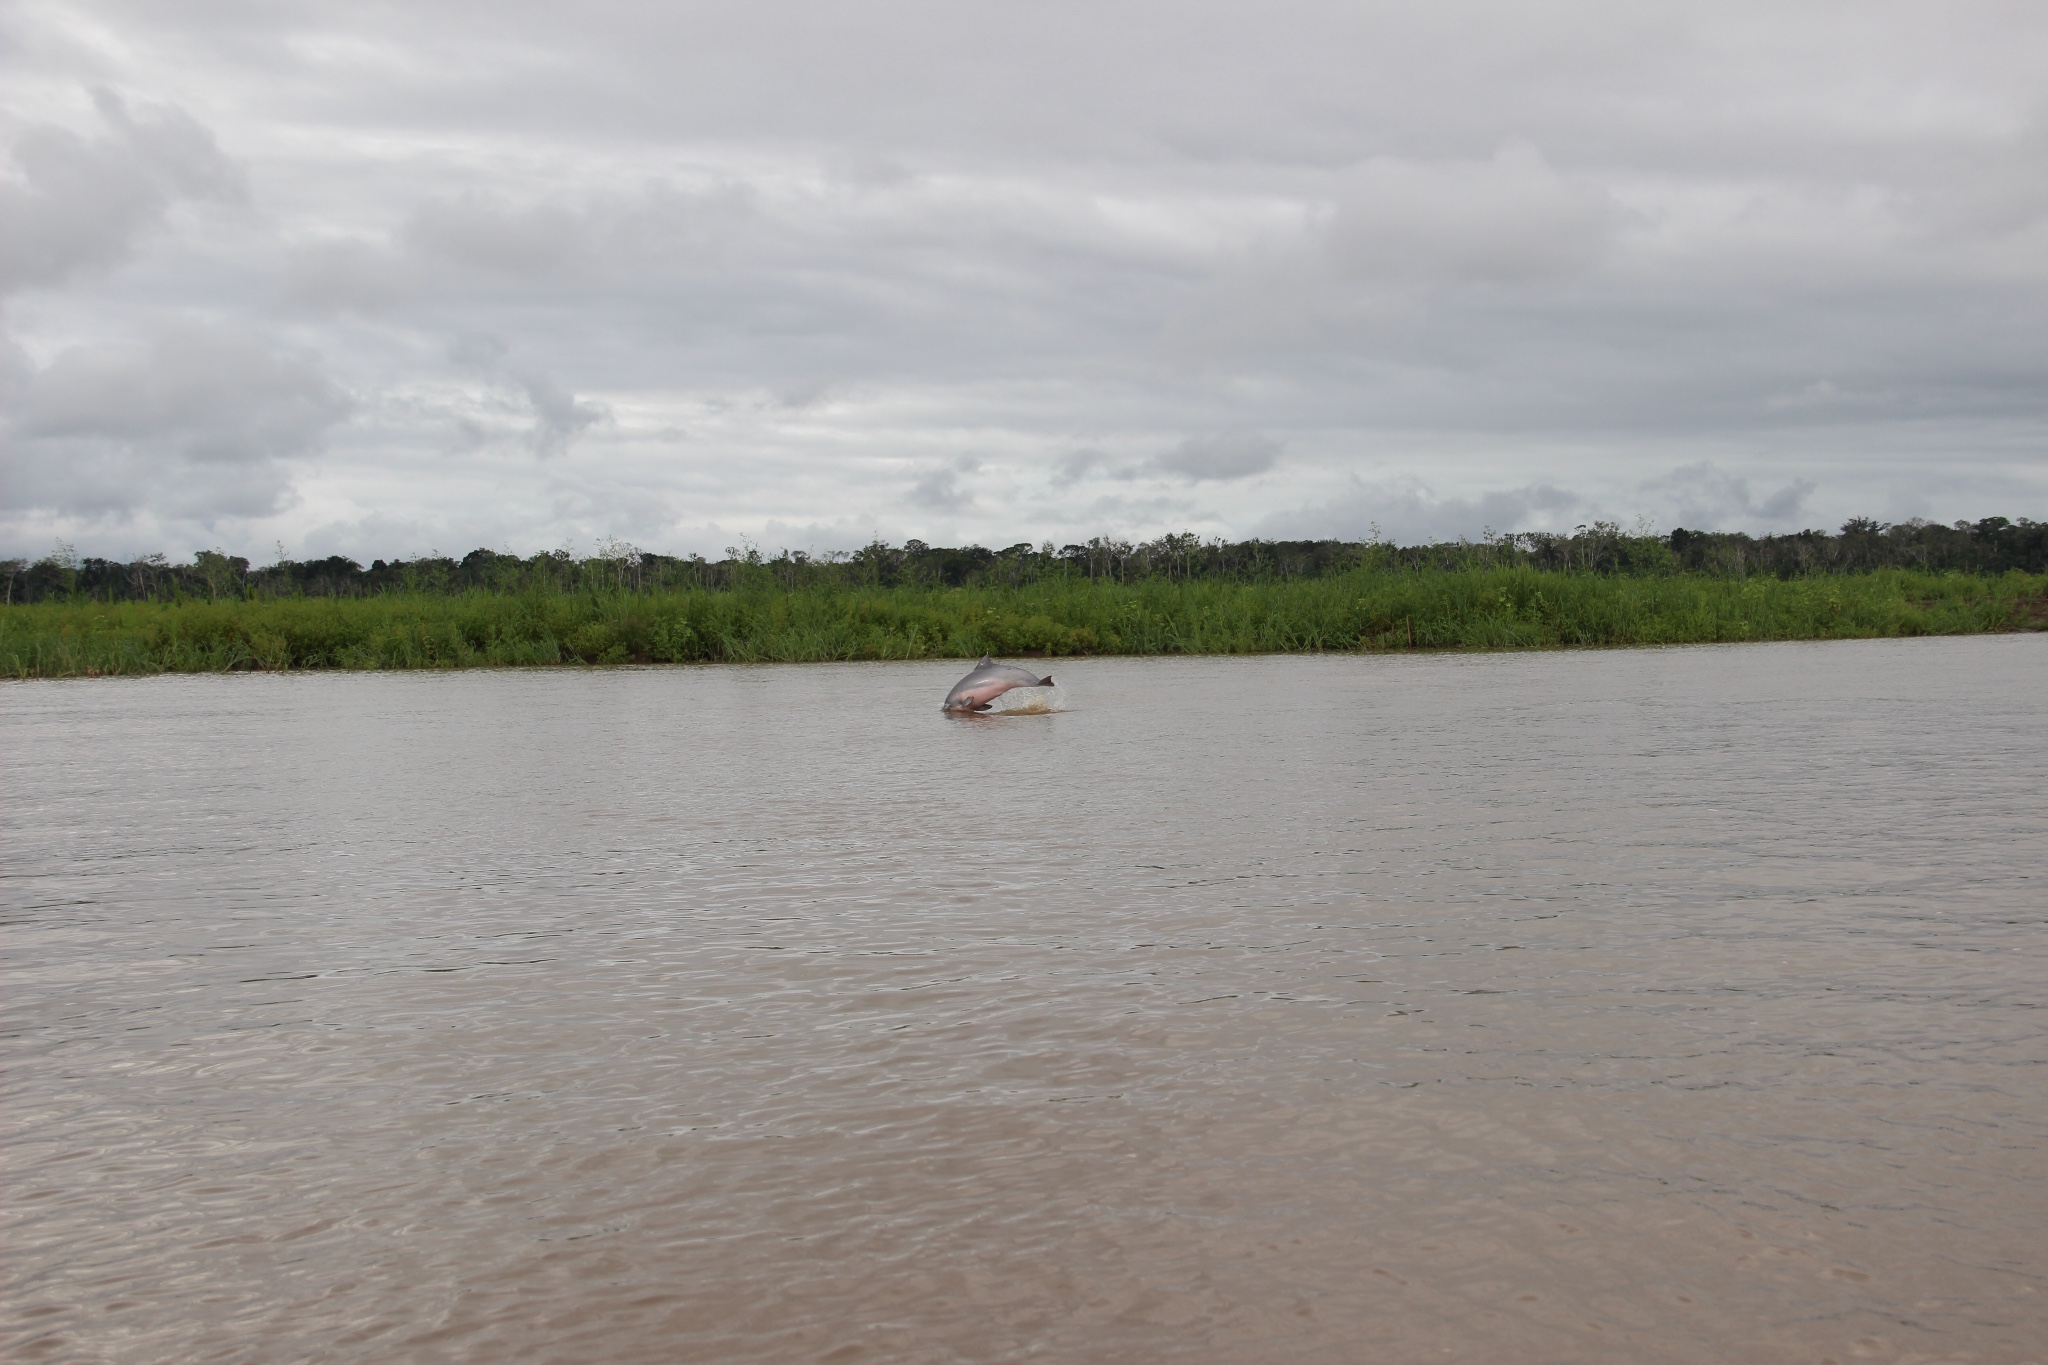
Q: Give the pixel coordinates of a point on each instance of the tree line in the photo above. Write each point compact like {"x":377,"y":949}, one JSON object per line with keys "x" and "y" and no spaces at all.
{"x":1992,"y":545}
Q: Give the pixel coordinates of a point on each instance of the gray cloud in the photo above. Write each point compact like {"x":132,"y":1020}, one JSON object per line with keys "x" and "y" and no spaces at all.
{"x":1408,"y":511}
{"x":1508,"y":218}
{"x":1463,"y":254}
{"x":1078,"y":465}
{"x":477,"y":247}
{"x":557,"y":416}
{"x":942,"y":488}
{"x":197,"y":423}
{"x":479,"y":349}
{"x":77,"y":203}
{"x":481,"y":233}
{"x":1222,"y":458}
{"x":1701,"y":496}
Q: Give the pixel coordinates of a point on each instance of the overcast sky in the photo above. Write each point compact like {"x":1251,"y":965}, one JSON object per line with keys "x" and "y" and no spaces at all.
{"x":381,"y":279}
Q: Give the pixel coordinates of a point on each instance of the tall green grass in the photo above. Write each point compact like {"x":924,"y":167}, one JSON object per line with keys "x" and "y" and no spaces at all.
{"x":1364,"y":610}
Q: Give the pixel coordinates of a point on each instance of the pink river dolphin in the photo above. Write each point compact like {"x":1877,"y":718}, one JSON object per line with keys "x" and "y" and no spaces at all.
{"x":989,"y":680}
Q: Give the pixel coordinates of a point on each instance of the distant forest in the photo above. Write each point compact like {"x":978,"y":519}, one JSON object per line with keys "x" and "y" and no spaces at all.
{"x":1993,"y":545}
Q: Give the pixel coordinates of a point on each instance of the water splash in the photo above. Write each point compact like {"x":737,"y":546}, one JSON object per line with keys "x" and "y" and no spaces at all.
{"x":1035,"y":701}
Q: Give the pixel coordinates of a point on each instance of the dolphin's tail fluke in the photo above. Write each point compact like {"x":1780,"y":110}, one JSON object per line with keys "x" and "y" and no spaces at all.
{"x":1045,"y":681}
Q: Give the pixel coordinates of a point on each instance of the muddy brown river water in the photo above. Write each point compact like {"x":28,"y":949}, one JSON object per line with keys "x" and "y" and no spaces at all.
{"x":1655,"y":1005}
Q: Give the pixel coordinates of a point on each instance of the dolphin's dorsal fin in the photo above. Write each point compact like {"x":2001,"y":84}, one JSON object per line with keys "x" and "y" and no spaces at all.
{"x":985,"y":662}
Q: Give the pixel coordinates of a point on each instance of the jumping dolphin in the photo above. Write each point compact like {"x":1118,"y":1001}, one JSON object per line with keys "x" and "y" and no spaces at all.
{"x":989,"y":680}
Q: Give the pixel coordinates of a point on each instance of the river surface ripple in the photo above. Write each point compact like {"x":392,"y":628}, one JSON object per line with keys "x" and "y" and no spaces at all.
{"x":1653,"y":1005}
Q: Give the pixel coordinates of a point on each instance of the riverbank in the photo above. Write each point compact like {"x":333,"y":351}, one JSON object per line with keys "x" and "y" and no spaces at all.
{"x":1370,"y":610}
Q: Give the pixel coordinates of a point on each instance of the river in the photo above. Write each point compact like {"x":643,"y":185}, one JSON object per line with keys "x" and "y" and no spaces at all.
{"x":1646,"y":1005}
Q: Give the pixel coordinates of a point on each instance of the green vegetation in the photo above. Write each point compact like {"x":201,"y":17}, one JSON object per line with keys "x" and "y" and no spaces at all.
{"x":1991,"y":545}
{"x":762,"y":617}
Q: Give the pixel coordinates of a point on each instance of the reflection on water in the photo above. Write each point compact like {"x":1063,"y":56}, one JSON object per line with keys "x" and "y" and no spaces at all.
{"x":1660,"y":1005}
